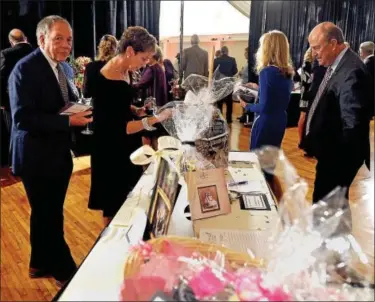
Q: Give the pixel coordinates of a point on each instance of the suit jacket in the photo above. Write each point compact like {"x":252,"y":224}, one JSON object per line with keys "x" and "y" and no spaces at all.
{"x":340,"y":125}
{"x":370,"y":64}
{"x":8,"y":59}
{"x":227,"y":65}
{"x":195,"y":61}
{"x":41,"y":137}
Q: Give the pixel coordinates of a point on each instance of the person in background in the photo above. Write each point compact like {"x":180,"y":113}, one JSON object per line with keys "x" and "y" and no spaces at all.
{"x":217,"y":53}
{"x":41,"y":142}
{"x":246,"y":118}
{"x":176,"y":64}
{"x":153,"y":82}
{"x":106,"y":51}
{"x":195,"y":59}
{"x":8,"y":59}
{"x":306,"y":79}
{"x":228,"y":67}
{"x":114,"y":128}
{"x":308,"y":95}
{"x":170,"y":76}
{"x":366,"y":52}
{"x":337,"y":125}
{"x":275,"y":87}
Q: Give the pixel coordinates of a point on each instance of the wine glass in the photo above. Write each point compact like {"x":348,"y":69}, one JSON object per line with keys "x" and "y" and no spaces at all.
{"x":150,"y":104}
{"x":88,"y":102}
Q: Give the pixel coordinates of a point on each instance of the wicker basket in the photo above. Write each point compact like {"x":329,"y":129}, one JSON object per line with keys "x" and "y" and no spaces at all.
{"x":234,"y":259}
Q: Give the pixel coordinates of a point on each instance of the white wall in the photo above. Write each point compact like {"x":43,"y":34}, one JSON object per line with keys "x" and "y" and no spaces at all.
{"x":202,"y":18}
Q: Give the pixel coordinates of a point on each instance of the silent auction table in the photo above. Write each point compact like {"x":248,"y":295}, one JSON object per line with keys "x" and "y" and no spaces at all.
{"x":100,"y":276}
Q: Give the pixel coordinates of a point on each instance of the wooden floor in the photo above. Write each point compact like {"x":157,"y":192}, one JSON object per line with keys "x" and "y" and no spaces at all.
{"x":82,"y":226}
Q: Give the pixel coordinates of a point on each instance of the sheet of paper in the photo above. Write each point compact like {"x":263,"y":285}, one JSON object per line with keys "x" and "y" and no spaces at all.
{"x":250,"y":186}
{"x":243,"y":156}
{"x":242,"y":241}
{"x":73,"y":108}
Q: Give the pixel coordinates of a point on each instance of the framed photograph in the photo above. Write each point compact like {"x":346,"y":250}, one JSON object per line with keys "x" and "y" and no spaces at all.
{"x":163,"y":199}
{"x":255,"y":201}
{"x":207,"y":193}
{"x":208,"y":199}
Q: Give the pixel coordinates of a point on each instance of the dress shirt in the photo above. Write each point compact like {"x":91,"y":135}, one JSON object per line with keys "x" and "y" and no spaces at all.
{"x":52,"y":63}
{"x":338,"y":59}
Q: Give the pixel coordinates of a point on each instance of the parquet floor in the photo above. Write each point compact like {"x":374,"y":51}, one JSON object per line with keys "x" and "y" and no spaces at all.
{"x":82,"y":226}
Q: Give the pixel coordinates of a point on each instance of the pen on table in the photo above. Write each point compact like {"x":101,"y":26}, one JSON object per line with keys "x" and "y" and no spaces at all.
{"x":245,"y":182}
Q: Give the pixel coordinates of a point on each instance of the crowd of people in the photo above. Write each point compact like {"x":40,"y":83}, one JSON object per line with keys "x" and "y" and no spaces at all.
{"x":337,"y":104}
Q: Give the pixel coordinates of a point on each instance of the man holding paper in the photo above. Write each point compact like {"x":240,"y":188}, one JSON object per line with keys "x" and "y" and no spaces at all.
{"x":41,"y":141}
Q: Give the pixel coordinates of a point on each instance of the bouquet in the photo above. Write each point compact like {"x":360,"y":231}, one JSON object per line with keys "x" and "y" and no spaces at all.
{"x":79,"y":67}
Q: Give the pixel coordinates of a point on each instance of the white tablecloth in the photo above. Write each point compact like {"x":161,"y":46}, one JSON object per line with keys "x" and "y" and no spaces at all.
{"x":100,"y":276}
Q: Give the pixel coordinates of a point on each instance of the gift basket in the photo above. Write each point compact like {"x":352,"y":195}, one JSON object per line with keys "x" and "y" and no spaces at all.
{"x":198,"y":124}
{"x":314,"y":256}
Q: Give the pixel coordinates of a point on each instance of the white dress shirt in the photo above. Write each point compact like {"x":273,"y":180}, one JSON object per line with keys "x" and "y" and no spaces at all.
{"x":52,"y":63}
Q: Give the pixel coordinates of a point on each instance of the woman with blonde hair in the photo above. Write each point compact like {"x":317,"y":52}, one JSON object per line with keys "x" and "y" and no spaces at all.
{"x":273,"y":64}
{"x":106,"y":51}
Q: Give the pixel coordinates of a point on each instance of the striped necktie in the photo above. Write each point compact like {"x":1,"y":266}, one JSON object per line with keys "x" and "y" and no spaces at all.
{"x":315,"y":103}
{"x":63,"y":83}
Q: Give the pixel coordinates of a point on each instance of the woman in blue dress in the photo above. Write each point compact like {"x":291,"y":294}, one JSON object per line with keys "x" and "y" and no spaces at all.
{"x":273,"y":64}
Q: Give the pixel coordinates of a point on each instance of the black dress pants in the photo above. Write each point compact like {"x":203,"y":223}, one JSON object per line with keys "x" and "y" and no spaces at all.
{"x":6,"y":126}
{"x":332,"y":172}
{"x":229,"y":103}
{"x":46,"y":194}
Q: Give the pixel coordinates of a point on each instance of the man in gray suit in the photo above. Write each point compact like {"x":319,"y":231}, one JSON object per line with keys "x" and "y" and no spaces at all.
{"x":195,"y":59}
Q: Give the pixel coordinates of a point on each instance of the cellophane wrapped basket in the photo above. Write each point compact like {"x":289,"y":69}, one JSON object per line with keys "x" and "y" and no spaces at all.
{"x":198,"y":124}
{"x":172,"y":264}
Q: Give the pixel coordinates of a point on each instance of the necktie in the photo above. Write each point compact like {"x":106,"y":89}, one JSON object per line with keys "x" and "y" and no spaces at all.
{"x":63,"y":84}
{"x":315,"y":103}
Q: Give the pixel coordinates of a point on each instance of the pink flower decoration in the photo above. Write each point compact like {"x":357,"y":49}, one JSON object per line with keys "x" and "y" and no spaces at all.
{"x":206,"y":284}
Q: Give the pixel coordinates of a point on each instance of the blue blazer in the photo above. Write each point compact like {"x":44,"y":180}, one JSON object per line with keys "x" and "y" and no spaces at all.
{"x":40,"y":136}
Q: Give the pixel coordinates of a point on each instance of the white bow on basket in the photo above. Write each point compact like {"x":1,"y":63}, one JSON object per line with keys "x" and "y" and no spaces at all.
{"x":168,"y":147}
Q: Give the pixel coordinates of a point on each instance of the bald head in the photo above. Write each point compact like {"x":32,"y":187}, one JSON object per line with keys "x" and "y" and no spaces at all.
{"x":16,"y":36}
{"x":328,"y":30}
{"x":327,"y":42}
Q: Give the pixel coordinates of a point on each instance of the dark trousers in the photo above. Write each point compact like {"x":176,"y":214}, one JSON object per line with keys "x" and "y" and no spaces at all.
{"x":332,"y":172}
{"x":46,"y":195}
{"x":229,"y":103}
{"x":5,"y":138}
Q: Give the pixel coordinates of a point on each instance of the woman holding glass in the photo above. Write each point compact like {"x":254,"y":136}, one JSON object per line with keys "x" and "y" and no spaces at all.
{"x":113,"y":123}
{"x":275,"y":70}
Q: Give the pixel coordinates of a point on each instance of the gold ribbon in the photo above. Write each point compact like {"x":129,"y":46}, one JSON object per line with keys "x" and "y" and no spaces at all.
{"x":167,"y":146}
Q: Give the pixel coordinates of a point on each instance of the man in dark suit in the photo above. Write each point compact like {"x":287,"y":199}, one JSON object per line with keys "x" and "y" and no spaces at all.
{"x":337,"y":127}
{"x":228,"y":67}
{"x":194,"y":59}
{"x":8,"y":59}
{"x":366,"y":52}
{"x":41,"y":141}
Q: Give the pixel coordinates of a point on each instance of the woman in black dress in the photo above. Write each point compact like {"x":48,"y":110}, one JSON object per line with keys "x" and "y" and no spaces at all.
{"x":113,"y":125}
{"x":106,"y":51}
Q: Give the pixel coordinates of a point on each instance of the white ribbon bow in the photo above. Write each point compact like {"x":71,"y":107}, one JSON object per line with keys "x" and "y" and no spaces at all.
{"x":167,"y":146}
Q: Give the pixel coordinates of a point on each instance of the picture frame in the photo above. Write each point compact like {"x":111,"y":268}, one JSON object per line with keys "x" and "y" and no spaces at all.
{"x":208,"y":198}
{"x":254,"y":202}
{"x":164,"y":196}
